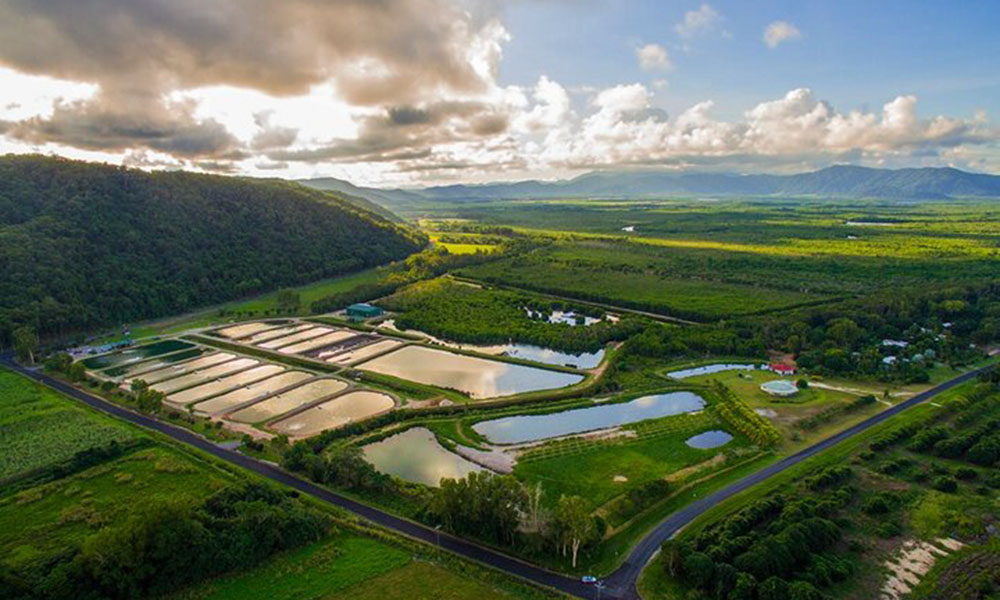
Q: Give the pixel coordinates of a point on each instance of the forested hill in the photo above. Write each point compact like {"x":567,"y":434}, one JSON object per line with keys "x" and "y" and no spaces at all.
{"x":85,"y":245}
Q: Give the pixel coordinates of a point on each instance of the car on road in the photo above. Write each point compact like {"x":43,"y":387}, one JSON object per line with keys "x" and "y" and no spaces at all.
{"x":588,"y":579}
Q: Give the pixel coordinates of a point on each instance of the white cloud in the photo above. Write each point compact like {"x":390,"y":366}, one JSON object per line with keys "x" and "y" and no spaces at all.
{"x":780,"y":31}
{"x":697,"y":21}
{"x":653,"y":57}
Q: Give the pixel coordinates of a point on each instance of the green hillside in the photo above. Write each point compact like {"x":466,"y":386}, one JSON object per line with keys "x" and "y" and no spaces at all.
{"x":85,"y":245}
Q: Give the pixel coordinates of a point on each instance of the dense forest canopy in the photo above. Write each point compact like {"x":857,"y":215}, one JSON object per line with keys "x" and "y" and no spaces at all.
{"x":85,"y":245}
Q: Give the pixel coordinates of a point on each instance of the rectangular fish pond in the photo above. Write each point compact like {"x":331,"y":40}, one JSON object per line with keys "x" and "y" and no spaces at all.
{"x":244,"y":329}
{"x":305,"y":334}
{"x":155,"y":363}
{"x":530,"y":428}
{"x":138,"y":353}
{"x":271,"y":334}
{"x":360,"y":353}
{"x":288,"y":401}
{"x":168,"y":386}
{"x":415,"y":455}
{"x":477,"y":377}
{"x":182,"y":368}
{"x":325,"y":340}
{"x":352,"y":406}
{"x":222,"y":384}
{"x":230,"y":400}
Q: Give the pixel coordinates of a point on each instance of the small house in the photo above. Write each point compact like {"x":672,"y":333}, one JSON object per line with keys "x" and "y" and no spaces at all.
{"x":781,"y":369}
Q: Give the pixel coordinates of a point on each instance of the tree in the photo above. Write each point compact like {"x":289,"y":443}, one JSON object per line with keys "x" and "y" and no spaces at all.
{"x":59,"y":362}
{"x":535,"y":507}
{"x":25,"y":344}
{"x":699,"y":570}
{"x":745,"y":587}
{"x":773,"y":588}
{"x":482,"y":504}
{"x":77,"y":371}
{"x":672,"y":553}
{"x":573,"y":521}
{"x":289,"y":301}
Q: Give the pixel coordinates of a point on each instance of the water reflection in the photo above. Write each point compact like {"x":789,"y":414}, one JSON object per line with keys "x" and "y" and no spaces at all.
{"x":529,"y":428}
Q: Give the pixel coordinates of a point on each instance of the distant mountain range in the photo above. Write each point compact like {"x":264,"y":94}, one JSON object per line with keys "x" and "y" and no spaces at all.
{"x":836,"y":181}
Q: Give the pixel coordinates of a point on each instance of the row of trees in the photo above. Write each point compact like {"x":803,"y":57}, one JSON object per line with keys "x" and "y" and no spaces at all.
{"x":498,"y":509}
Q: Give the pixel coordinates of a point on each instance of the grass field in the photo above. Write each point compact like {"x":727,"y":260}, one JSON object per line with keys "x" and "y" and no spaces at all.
{"x":609,"y":274}
{"x":41,"y":520}
{"x":345,"y":566}
{"x":39,"y":428}
{"x":588,"y":469}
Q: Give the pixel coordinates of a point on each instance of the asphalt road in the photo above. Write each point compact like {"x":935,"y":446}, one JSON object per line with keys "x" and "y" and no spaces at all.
{"x":620,"y":584}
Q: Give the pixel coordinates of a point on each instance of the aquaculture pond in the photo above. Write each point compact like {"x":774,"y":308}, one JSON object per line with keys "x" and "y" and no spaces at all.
{"x":415,"y":455}
{"x":709,"y":439}
{"x":288,"y":401}
{"x":153,"y":364}
{"x":181,"y":368}
{"x":244,"y":329}
{"x":477,"y":377}
{"x":231,"y":400}
{"x":169,"y":386}
{"x":584,"y":360}
{"x":352,"y":406}
{"x":305,"y":334}
{"x":359,"y":352}
{"x":138,"y":353}
{"x":330,"y":338}
{"x":710,"y":369}
{"x":271,"y":334}
{"x":223,"y":384}
{"x":530,"y":428}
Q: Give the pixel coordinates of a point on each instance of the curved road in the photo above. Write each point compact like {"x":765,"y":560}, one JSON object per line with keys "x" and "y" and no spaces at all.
{"x":620,"y":584}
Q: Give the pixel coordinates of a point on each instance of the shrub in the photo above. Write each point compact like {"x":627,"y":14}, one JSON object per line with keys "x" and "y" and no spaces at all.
{"x":945,"y":484}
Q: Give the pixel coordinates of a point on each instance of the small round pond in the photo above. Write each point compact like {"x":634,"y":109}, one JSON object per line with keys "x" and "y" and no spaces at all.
{"x":529,"y":428}
{"x":780,"y":387}
{"x":709,"y":439}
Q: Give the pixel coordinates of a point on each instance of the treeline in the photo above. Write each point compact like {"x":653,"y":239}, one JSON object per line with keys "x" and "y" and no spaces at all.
{"x":937,"y":325}
{"x":773,"y":549}
{"x":85,"y":245}
{"x":429,"y":263}
{"x":162,"y":547}
{"x":464,"y":313}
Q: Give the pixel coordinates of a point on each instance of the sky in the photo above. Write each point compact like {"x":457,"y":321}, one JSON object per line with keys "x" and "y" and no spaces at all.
{"x":423,"y":92}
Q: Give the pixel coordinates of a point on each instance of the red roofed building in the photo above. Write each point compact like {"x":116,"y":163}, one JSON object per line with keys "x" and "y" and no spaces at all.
{"x":781,"y":369}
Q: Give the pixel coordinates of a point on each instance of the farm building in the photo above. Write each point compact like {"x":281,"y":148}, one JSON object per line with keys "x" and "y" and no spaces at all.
{"x":363,"y":310}
{"x":781,"y":369}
